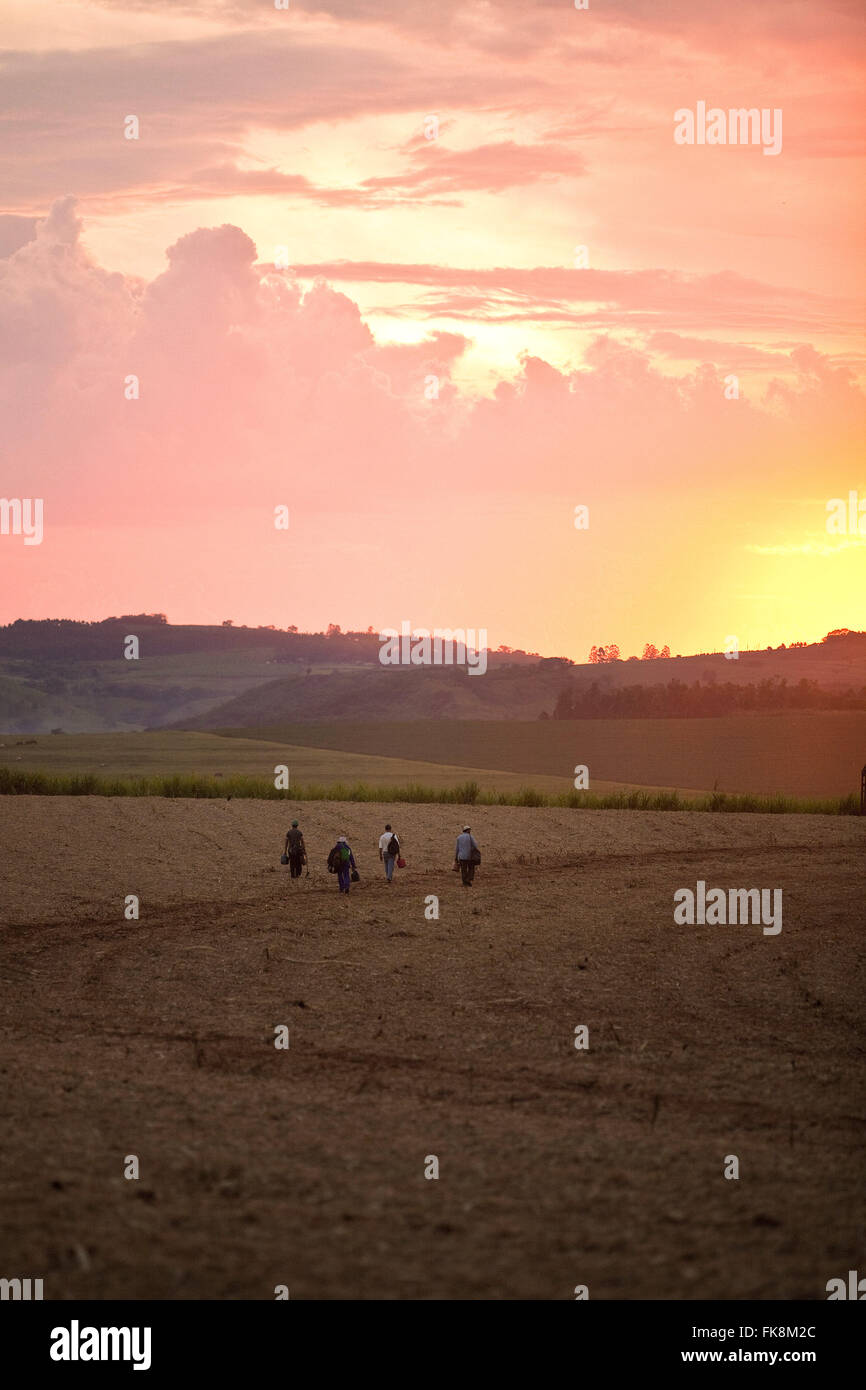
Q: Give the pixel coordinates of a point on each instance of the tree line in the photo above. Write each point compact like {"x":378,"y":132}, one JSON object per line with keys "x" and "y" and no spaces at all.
{"x":679,"y":700}
{"x":74,"y":640}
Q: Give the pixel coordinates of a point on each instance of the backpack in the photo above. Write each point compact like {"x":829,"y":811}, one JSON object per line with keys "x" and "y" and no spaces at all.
{"x":393,"y":846}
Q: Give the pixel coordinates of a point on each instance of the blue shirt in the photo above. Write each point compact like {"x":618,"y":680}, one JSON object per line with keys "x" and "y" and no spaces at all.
{"x":465,"y":843}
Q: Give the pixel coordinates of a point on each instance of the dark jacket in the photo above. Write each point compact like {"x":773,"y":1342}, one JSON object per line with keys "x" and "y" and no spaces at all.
{"x":336,"y":862}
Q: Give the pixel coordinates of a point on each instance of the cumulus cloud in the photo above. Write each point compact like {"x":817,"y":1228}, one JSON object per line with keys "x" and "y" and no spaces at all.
{"x":15,"y":232}
{"x":250,"y":378}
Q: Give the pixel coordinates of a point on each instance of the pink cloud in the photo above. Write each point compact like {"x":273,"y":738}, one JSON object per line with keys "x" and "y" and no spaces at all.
{"x":257,"y":389}
{"x":510,"y":25}
{"x":245,"y":374}
{"x":627,"y":298}
{"x":196,"y":104}
{"x":487,"y":169}
{"x":682,"y":348}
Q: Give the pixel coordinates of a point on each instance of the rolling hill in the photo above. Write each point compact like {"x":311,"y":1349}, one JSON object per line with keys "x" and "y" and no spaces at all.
{"x":74,"y":676}
{"x":505,"y":692}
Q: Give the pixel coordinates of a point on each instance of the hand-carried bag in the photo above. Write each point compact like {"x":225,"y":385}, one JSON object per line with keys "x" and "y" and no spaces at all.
{"x":474,"y":856}
{"x":355,"y":876}
{"x":284,"y":859}
{"x":401,"y":862}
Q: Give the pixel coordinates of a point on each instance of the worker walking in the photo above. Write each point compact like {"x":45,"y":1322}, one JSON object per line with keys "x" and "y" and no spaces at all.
{"x":341,"y":861}
{"x":466,"y":856}
{"x":389,"y":850}
{"x":296,"y":850}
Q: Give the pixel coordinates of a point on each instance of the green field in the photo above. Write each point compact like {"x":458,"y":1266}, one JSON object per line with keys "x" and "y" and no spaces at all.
{"x":816,"y":754}
{"x":813,"y":756}
{"x":163,"y":753}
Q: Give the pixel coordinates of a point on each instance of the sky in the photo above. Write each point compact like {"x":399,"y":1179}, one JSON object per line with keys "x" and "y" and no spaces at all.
{"x":432,"y":277}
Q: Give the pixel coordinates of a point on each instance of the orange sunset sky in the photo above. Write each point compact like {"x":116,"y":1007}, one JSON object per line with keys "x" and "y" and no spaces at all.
{"x":340,"y":259}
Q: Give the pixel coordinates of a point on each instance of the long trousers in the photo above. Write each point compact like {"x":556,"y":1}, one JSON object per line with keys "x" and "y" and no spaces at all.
{"x":467,"y":871}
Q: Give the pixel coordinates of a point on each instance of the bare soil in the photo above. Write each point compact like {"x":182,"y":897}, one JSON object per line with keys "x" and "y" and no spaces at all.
{"x":412,"y":1037}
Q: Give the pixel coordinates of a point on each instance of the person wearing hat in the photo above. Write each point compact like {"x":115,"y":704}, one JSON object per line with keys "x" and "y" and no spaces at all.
{"x":296,"y":850}
{"x":341,"y":861}
{"x":466,"y":856}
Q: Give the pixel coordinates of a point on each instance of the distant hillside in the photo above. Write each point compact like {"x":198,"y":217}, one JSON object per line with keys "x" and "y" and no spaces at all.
{"x":53,"y":639}
{"x":688,"y":686}
{"x":74,"y":676}
{"x":386,"y":693}
{"x":836,"y":663}
{"x":38,"y":696}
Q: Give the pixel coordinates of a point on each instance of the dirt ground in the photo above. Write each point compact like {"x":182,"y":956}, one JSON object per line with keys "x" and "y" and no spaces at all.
{"x":412,"y":1037}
